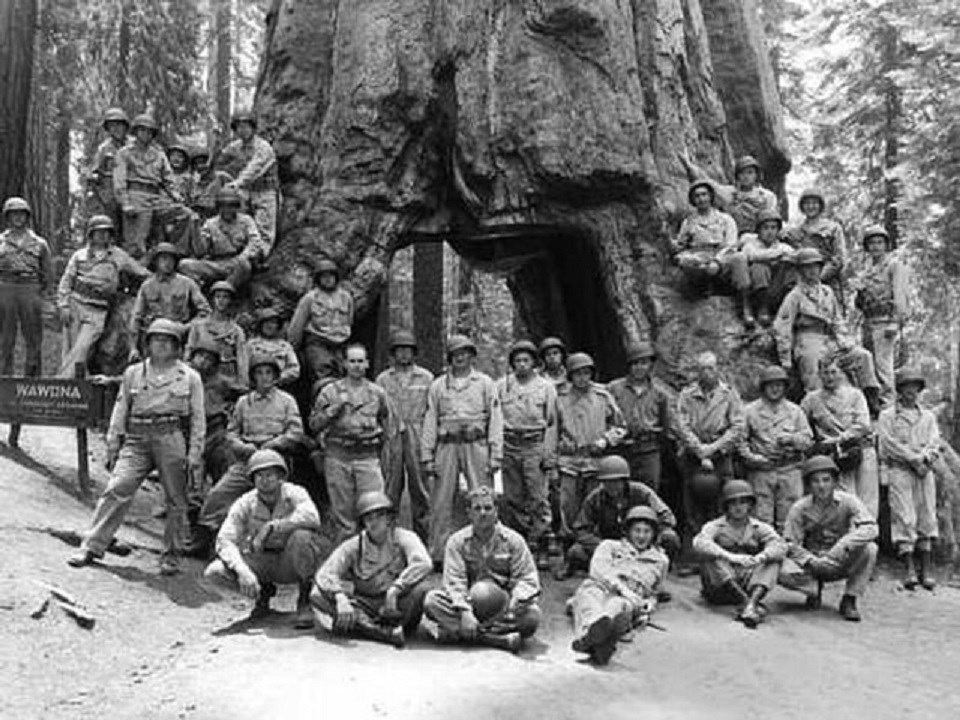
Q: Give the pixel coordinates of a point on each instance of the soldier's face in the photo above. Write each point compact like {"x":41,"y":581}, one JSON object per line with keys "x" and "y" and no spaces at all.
{"x":264,"y":377}
{"x":117,"y":130}
{"x":769,"y":232}
{"x":178,"y":160}
{"x":270,"y":328}
{"x":483,"y":512}
{"x":143,"y":135}
{"x":163,"y":348}
{"x":267,"y":482}
{"x":640,"y":368}
{"x":100,"y":238}
{"x":830,"y":376}
{"x":702,"y":199}
{"x":228,"y":211}
{"x":707,"y":372}
{"x":581,"y":378}
{"x":403,"y":355}
{"x":909,"y":393}
{"x":747,"y":178}
{"x":357,"y":362}
{"x":327,"y":281}
{"x":811,"y":272}
{"x":811,"y":207}
{"x":821,"y":484}
{"x":739,"y":508}
{"x":244,"y":130}
{"x":203,"y":362}
{"x":523,"y":364}
{"x":18,"y":218}
{"x":774,"y":391}
{"x":460,"y":360}
{"x":200,"y":163}
{"x":640,"y":535}
{"x":166,"y":263}
{"x":876,"y":245}
{"x":377,"y":525}
{"x":221,"y":300}
{"x":553,"y":358}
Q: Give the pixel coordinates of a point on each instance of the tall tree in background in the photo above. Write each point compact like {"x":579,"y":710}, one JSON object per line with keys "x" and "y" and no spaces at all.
{"x":18,"y":19}
{"x":224,"y":45}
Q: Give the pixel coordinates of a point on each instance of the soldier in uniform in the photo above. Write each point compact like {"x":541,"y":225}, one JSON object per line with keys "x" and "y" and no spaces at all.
{"x":257,"y":176}
{"x":166,"y":294}
{"x":823,"y":235}
{"x":706,"y":247}
{"x":25,"y":276}
{"x":770,"y":262}
{"x":100,"y":197}
{"x":182,"y":179}
{"x":840,"y":420}
{"x":740,"y":556}
{"x":490,"y":582}
{"x":647,"y":409}
{"x":349,"y":418}
{"x":810,"y":325}
{"x":88,"y":289}
{"x":830,"y":536}
{"x":223,"y":330}
{"x":882,"y":298}
{"x":158,"y":423}
{"x":553,"y":355}
{"x":267,"y":341}
{"x":228,"y":247}
{"x":462,"y":442}
{"x":776,"y":437}
{"x":589,"y":423}
{"x":143,"y":185}
{"x":909,"y":447}
{"x":746,"y":199}
{"x":529,"y":405}
{"x":373,"y":585}
{"x":208,"y":183}
{"x":269,"y":538}
{"x":621,"y":592}
{"x":322,"y":324}
{"x":406,"y":385}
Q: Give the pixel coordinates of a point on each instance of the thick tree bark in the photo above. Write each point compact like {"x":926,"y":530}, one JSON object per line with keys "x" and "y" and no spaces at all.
{"x":223,"y":57}
{"x":18,"y":19}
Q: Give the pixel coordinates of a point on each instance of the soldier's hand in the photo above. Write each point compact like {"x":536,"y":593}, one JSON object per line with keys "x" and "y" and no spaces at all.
{"x":346,"y":615}
{"x":249,"y":585}
{"x":390,"y":609}
{"x":741,"y":560}
{"x":111,"y":460}
{"x":706,"y":464}
{"x":469,"y":625}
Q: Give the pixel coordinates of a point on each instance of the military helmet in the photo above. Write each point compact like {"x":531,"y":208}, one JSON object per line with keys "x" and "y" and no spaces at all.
{"x":640,"y":351}
{"x":487,"y":599}
{"x":402,"y":338}
{"x":115,"y":114}
{"x":579,"y":361}
{"x":815,"y":194}
{"x":163,"y":248}
{"x":522,"y":346}
{"x":178,"y":146}
{"x":165,"y":326}
{"x":207,"y":345}
{"x":704,"y":485}
{"x":223,"y":286}
{"x":372,"y":501}
{"x":702,"y":182}
{"x":549,"y":343}
{"x":744,"y":162}
{"x":816,"y":463}
{"x":264,"y":314}
{"x":613,"y":467}
{"x":263,"y":459}
{"x":641,"y":513}
{"x":100,"y":222}
{"x":145,"y":120}
{"x":736,"y":489}
{"x":875,"y":231}
{"x":259,"y":359}
{"x":240,"y":116}
{"x":772,"y":373}
{"x":325,"y":266}
{"x":807,"y":256}
{"x":768,"y":216}
{"x":13,"y":204}
{"x":907,"y":376}
{"x":199,"y":151}
{"x":456,"y":343}
{"x":228,"y":196}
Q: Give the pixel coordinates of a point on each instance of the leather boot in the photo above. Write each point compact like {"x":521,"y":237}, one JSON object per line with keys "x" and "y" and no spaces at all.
{"x":909,"y":571}
{"x":751,"y":616}
{"x":600,"y":640}
{"x":387,"y":634}
{"x":732,"y":589}
{"x":510,"y":641}
{"x":304,"y":619}
{"x":746,"y":312}
{"x":848,"y":608}
{"x":262,"y":607}
{"x":927,"y":580}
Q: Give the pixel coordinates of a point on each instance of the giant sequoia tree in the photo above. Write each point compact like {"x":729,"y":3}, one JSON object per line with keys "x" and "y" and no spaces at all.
{"x":18,"y":20}
{"x":539,"y":136}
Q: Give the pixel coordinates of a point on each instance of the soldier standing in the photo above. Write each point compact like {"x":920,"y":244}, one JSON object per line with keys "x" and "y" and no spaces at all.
{"x":321,"y":324}
{"x":909,"y":446}
{"x":647,"y":411}
{"x":882,"y":298}
{"x":258,"y":174}
{"x":823,"y":235}
{"x":88,"y":289}
{"x":223,"y":330}
{"x":462,"y":442}
{"x":101,"y":199}
{"x":25,"y":276}
{"x":529,"y":405}
{"x":777,"y":435}
{"x":349,"y":417}
{"x":553,"y":355}
{"x":406,"y":385}
{"x":158,"y":423}
{"x":267,"y":341}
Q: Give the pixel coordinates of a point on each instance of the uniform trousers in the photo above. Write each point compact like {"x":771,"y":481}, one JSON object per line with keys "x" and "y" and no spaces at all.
{"x":447,"y":499}
{"x":349,"y":475}
{"x":856,"y":568}
{"x":295,"y":563}
{"x":80,"y":335}
{"x":913,"y":508}
{"x":21,"y":305}
{"x":777,"y":489}
{"x":526,"y":503}
{"x":401,"y":468}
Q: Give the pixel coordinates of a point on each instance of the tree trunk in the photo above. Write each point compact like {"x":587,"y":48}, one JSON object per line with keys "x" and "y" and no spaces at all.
{"x":223,"y":35}
{"x":428,"y":304}
{"x":123,"y":54}
{"x":18,"y":19}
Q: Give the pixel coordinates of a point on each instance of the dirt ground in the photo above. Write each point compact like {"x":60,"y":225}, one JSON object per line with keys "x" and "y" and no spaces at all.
{"x":173,"y":648}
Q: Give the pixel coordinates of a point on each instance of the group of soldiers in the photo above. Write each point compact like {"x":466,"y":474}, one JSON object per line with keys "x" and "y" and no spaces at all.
{"x":543,"y":469}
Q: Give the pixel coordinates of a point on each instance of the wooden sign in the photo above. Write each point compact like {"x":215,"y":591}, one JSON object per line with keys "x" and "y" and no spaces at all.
{"x":45,"y":401}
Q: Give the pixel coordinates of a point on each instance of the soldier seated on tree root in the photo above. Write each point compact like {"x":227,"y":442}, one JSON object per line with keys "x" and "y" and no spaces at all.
{"x":830,"y":536}
{"x":740,"y":556}
{"x":270,"y":537}
{"x":603,"y":511}
{"x":373,"y":585}
{"x":222,"y":329}
{"x":100,"y":199}
{"x":771,"y":266}
{"x":820,"y":233}
{"x":490,"y":583}
{"x":706,"y":248}
{"x":625,"y":575}
{"x":267,"y":341}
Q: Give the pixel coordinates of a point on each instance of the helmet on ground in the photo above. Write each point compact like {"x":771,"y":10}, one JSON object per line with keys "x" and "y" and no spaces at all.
{"x":640,"y":351}
{"x":579,"y":361}
{"x":549,"y":343}
{"x":772,"y":373}
{"x":908,"y":376}
{"x":99,"y":222}
{"x":736,"y":489}
{"x":744,"y":162}
{"x":522,"y":346}
{"x":264,"y":314}
{"x":145,"y":121}
{"x":613,"y":467}
{"x":325,"y":266}
{"x":641,"y":513}
{"x":260,"y":359}
{"x":115,"y":114}
{"x":807,"y":256}
{"x":487,"y":599}
{"x":242,"y":116}
{"x":13,"y":204}
{"x":229,"y":197}
{"x":702,"y":183}
{"x":813,"y":194}
{"x":207,"y":345}
{"x":766,"y":216}
{"x":164,"y":248}
{"x":875,"y":231}
{"x":263,"y":459}
{"x":402,"y":338}
{"x":704,"y":485}
{"x":165,"y":326}
{"x":372,"y":501}
{"x":817,"y":463}
{"x":456,"y":343}
{"x":223,"y":286}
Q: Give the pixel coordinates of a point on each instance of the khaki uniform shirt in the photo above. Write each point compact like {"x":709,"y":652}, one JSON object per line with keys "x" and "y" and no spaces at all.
{"x":327,"y":316}
{"x":530,"y":406}
{"x":768,"y":425}
{"x":712,"y":233}
{"x":504,"y":558}
{"x":103,"y":163}
{"x":838,"y":415}
{"x":259,"y":171}
{"x":219,"y":395}
{"x":282,"y":351}
{"x":806,"y":305}
{"x":907,"y":435}
{"x":259,"y":418}
{"x":249,"y":514}
{"x":359,"y":566}
{"x":559,"y":380}
{"x":844,"y":524}
{"x":825,"y":235}
{"x":93,"y":277}
{"x":220,"y":239}
{"x":582,"y":419}
{"x":601,"y":515}
{"x":203,"y":197}
{"x":175,"y":297}
{"x":758,"y":251}
{"x":145,"y":394}
{"x":710,"y":418}
{"x":25,"y":259}
{"x":745,"y":206}
{"x":147,"y":166}
{"x":407,"y":390}
{"x":350,"y":412}
{"x":647,"y":409}
{"x":457,"y":405}
{"x":618,"y":564}
{"x":882,"y":290}
{"x":230,"y":338}
{"x":720,"y":536}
